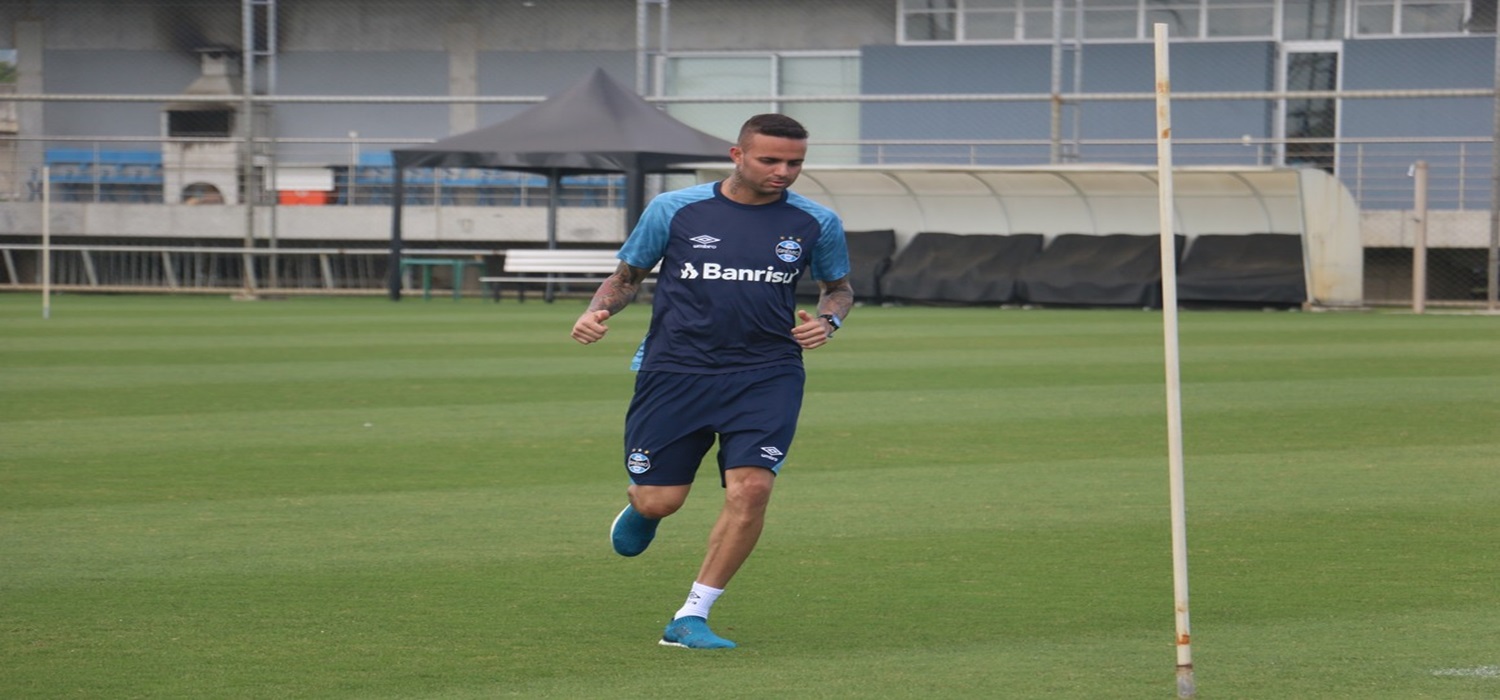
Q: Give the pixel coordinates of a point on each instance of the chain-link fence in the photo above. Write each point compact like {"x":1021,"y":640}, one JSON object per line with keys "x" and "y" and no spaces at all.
{"x":160,"y":105}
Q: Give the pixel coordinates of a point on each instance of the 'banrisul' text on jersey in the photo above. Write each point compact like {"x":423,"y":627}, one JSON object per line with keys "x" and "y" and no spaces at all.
{"x":725,"y":297}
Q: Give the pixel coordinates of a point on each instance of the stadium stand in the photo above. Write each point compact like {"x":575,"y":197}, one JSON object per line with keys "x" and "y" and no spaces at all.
{"x":87,"y":175}
{"x":375,"y":174}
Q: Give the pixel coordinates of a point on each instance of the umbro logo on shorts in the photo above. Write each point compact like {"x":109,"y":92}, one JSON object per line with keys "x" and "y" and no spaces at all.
{"x":771,"y":453}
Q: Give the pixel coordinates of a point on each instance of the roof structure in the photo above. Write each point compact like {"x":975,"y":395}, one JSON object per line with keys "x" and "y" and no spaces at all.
{"x":595,"y":126}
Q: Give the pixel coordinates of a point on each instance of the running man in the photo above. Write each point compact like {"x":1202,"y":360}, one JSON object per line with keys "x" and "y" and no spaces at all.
{"x":722,"y":358}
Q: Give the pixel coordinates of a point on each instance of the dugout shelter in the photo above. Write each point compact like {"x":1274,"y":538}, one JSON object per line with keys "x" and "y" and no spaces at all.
{"x":1088,"y":235}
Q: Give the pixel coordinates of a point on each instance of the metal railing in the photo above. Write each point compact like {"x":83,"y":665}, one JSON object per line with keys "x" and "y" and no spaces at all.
{"x":206,"y":269}
{"x":8,"y":121}
{"x":1376,"y":170}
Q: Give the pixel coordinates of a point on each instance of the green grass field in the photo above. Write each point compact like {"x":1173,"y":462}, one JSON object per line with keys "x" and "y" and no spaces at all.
{"x":350,"y":498}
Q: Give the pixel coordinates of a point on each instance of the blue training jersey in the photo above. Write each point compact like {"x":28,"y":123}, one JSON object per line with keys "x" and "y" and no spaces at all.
{"x":725,"y":297}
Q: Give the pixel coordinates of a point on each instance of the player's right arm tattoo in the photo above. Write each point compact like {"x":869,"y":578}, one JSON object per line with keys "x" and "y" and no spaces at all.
{"x":619,"y":289}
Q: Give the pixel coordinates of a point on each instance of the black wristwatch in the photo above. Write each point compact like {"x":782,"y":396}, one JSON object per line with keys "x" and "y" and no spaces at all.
{"x":832,"y":321}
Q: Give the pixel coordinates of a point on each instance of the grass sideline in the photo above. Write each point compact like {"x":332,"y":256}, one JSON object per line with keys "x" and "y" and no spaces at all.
{"x":349,"y":498}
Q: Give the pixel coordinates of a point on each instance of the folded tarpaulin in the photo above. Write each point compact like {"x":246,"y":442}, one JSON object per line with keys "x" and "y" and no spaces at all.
{"x":960,"y":268}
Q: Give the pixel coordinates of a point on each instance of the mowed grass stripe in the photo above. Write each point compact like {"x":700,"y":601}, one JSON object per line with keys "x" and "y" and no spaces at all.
{"x":307,"y":452}
{"x":385,"y":386}
{"x":999,"y":419}
{"x":102,"y":390}
{"x":1012,"y":501}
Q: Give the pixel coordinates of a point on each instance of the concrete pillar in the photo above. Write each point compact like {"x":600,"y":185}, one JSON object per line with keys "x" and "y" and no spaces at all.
{"x":29,"y":115}
{"x":462,"y":40}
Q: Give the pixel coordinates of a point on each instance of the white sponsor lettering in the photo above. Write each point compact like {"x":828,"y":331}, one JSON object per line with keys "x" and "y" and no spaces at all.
{"x":715,"y":271}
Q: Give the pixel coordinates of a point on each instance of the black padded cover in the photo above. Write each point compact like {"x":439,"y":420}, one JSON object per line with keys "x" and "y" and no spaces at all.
{"x":1079,"y":269}
{"x":955,"y":268}
{"x":869,"y":256}
{"x":1255,"y":268}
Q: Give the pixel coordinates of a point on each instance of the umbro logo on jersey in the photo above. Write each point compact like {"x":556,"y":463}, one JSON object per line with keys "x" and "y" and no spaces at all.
{"x":704,"y":241}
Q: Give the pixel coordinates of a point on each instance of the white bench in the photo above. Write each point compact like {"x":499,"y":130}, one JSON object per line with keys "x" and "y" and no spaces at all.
{"x":525,"y":266}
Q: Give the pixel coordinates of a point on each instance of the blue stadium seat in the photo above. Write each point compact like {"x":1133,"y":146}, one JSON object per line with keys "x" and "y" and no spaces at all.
{"x":82,"y":174}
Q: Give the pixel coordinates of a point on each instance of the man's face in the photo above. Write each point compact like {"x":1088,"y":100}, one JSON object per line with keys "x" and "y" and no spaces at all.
{"x":766,"y":165}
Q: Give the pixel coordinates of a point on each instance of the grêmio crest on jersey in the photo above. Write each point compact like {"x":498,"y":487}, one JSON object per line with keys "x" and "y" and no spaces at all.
{"x":789,"y":249}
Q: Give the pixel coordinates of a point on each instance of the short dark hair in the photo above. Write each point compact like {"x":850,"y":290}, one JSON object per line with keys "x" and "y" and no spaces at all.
{"x":779,"y":125}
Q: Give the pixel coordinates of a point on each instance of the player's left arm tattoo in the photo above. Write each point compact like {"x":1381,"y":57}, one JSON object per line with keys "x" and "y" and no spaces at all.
{"x":836,"y":297}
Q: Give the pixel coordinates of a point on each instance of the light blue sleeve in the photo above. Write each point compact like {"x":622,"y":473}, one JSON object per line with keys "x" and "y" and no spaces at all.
{"x":647,"y":243}
{"x":831,"y":255}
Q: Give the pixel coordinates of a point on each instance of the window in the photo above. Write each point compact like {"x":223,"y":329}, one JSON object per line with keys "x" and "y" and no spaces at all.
{"x":989,"y":20}
{"x":1110,"y":19}
{"x":995,"y":21}
{"x":977,"y":20}
{"x":1312,"y":20}
{"x":1180,"y":16}
{"x":929,"y":20}
{"x":200,"y":122}
{"x":980,"y":21}
{"x":1036,"y":19}
{"x":772,"y":76}
{"x":1481,"y":18}
{"x":1388,"y":17}
{"x":1240,"y":18}
{"x":8,"y":85}
{"x":1315,"y":119}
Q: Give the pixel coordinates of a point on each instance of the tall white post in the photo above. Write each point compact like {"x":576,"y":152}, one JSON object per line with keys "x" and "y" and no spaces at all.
{"x":1186,"y":687}
{"x":1419,"y":238}
{"x":247,"y":134}
{"x":46,"y":242}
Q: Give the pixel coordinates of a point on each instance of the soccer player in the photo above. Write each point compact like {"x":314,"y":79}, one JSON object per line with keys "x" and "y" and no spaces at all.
{"x":723,"y":355}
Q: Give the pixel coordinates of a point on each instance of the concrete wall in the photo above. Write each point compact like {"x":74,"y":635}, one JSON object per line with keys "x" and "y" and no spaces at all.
{"x":548,"y":25}
{"x":342,"y":47}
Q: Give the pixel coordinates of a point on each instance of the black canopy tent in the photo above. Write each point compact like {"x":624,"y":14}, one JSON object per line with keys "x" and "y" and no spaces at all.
{"x":595,"y":126}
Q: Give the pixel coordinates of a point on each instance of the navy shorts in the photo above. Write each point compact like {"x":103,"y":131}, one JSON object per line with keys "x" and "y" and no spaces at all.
{"x":674,"y":419}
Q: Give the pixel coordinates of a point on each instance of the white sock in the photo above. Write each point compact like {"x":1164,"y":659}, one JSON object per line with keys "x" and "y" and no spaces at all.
{"x":699,"y":600}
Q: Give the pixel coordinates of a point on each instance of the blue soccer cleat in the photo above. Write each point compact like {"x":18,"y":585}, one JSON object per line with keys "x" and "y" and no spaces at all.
{"x":632,"y":532}
{"x":693,"y":633}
